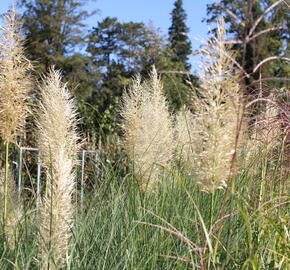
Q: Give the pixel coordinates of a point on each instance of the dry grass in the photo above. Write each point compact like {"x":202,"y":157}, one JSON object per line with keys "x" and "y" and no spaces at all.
{"x":58,"y":147}
{"x":15,"y":82}
{"x":15,"y":86}
{"x":148,"y":129}
{"x":217,"y":110}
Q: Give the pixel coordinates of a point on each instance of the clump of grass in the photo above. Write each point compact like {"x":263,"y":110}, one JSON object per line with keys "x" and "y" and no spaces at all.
{"x":58,"y":147}
{"x":148,"y":129}
{"x":15,"y":85}
{"x":217,"y":109}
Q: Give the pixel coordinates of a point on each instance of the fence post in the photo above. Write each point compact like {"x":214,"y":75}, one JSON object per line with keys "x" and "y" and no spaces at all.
{"x":82,"y":178}
{"x":38,"y":179}
{"x":19,"y":173}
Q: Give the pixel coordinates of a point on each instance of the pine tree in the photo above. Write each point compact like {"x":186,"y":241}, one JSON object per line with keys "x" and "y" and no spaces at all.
{"x":54,"y":33}
{"x":179,"y":48}
{"x":178,"y":37}
{"x":52,"y":28}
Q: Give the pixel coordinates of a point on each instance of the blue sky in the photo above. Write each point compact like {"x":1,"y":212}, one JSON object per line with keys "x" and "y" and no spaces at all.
{"x":155,"y":11}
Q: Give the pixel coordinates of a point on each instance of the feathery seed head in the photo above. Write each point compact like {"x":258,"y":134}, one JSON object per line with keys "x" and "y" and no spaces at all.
{"x":217,"y":109}
{"x":15,"y":81}
{"x":148,"y":129}
{"x":58,"y":148}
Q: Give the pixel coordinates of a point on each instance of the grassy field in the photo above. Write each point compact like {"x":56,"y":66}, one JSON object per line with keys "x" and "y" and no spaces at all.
{"x":175,"y":227}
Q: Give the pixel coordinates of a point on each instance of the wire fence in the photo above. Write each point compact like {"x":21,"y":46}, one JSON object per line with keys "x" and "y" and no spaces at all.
{"x":93,"y":154}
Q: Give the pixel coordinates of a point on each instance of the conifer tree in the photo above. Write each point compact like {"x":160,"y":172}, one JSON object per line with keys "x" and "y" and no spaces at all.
{"x":54,"y":31}
{"x":179,"y":41}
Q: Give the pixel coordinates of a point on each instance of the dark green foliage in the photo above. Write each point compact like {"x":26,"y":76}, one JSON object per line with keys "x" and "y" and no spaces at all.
{"x":54,"y":30}
{"x":120,"y":51}
{"x":178,"y":38}
{"x":177,"y":85}
{"x":103,"y":41}
{"x":81,"y":75}
{"x":116,"y":50}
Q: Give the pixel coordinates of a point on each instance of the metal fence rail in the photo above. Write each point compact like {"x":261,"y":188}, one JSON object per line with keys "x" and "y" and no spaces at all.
{"x":19,"y":164}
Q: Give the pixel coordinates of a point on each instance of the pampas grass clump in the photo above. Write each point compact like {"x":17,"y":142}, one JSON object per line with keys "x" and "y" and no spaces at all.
{"x":148,"y":129}
{"x":15,"y":85}
{"x":217,"y":113}
{"x":58,"y":147}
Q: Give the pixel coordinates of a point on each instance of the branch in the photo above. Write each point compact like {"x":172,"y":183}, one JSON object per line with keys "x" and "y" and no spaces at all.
{"x":236,"y":63}
{"x":234,"y":16}
{"x":271,"y":58}
{"x":263,"y":15}
{"x":271,"y":79}
{"x":248,"y":38}
{"x":286,"y":4}
{"x":239,"y":66}
{"x":176,"y":233}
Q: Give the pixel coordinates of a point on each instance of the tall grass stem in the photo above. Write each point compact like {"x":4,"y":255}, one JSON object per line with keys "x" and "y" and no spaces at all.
{"x":6,"y":183}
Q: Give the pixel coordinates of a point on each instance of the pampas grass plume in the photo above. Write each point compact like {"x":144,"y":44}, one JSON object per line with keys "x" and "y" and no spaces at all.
{"x":217,"y":110}
{"x":58,"y":147}
{"x":148,"y":129}
{"x":15,"y":86}
{"x":15,"y":82}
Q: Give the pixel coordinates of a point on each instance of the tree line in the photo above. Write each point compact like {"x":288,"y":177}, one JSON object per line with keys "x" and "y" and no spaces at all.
{"x":100,"y":63}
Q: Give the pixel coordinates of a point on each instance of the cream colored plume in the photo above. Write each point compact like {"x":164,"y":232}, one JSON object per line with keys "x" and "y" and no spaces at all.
{"x":148,"y":129}
{"x":57,"y":141}
{"x":15,"y":86}
{"x":217,"y":111}
{"x":15,"y":81}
